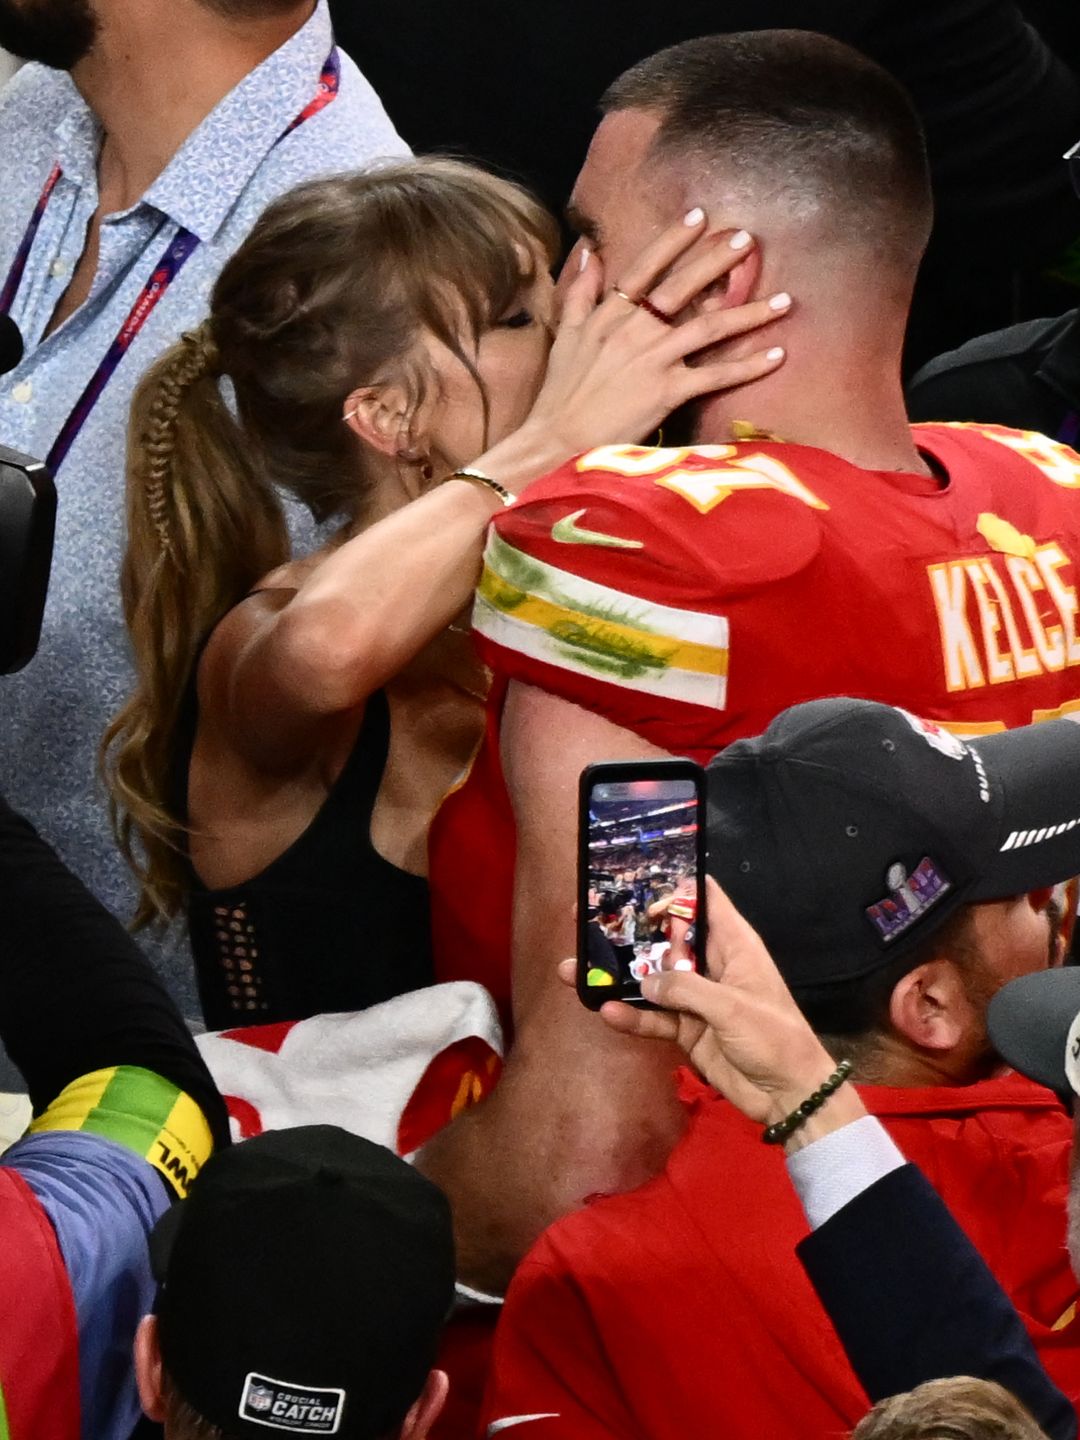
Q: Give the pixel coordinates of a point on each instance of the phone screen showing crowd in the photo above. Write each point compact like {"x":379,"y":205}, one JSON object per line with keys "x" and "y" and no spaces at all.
{"x":640,"y":880}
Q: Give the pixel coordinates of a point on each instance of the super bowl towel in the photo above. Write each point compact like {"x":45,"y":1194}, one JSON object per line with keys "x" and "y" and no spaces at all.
{"x":395,"y":1073}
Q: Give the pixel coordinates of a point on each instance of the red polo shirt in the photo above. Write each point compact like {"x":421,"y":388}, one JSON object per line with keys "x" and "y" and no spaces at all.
{"x":682,"y":1308}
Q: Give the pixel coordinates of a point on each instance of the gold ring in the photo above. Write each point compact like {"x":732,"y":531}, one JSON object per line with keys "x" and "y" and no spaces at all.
{"x":644,"y":303}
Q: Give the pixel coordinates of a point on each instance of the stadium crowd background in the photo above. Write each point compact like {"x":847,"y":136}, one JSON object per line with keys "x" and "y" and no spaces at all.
{"x":387,"y":501}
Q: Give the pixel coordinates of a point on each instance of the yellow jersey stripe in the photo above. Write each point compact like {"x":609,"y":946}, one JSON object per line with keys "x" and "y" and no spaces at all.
{"x":521,"y":575}
{"x":561,"y":619}
{"x":970,"y":730}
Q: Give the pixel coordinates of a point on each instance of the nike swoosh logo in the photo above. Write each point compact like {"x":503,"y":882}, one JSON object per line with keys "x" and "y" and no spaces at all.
{"x":568,"y":532}
{"x":511,"y":1420}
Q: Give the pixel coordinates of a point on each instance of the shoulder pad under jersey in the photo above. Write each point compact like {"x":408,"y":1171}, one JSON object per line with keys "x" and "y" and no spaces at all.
{"x":672,"y":525}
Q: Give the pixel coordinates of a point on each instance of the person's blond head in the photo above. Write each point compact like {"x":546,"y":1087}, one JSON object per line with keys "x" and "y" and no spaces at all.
{"x":957,"y":1409}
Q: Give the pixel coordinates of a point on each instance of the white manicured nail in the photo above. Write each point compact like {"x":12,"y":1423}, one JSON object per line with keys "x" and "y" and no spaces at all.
{"x":776,"y":353}
{"x":781,"y":301}
{"x":740,"y":240}
{"x":683,"y":965}
{"x":586,"y":256}
{"x":694,"y":217}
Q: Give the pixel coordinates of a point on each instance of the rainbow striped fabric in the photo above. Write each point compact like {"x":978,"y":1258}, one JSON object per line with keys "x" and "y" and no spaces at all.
{"x":140,"y":1110}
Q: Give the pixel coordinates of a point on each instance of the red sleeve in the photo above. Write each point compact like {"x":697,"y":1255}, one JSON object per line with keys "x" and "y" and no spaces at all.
{"x":612,"y":583}
{"x":550,"y":1374}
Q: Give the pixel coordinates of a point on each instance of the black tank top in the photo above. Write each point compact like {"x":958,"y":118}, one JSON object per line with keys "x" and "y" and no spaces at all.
{"x":327,"y":926}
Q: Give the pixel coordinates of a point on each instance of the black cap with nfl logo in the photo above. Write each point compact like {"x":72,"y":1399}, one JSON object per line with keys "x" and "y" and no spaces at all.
{"x":850,"y":831}
{"x":304,"y":1284}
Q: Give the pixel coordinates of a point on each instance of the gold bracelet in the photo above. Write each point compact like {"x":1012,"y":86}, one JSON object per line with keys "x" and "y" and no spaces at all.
{"x":479,"y":478}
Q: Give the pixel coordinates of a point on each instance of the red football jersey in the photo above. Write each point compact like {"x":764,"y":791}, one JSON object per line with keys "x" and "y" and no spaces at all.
{"x":691,"y":595}
{"x":681,"y":1309}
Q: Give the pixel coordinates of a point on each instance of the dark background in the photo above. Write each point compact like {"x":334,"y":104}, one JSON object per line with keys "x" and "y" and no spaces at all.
{"x":516,"y":85}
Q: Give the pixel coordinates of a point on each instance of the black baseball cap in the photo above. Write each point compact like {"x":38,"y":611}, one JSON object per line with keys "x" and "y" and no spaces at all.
{"x":850,"y":831}
{"x":304,"y":1284}
{"x":1034,"y":1025}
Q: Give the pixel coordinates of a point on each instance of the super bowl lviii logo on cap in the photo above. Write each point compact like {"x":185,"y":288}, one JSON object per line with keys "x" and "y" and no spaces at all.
{"x":912,"y":896}
{"x":292,"y":1409}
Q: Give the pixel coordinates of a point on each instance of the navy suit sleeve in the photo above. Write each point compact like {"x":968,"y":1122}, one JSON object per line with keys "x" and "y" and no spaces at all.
{"x":912,"y":1300}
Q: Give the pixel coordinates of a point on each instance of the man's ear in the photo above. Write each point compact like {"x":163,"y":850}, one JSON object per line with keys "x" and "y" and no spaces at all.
{"x":737,"y":287}
{"x":930,"y":1008}
{"x":379,"y":415}
{"x":421,"y":1418}
{"x":148,"y":1369}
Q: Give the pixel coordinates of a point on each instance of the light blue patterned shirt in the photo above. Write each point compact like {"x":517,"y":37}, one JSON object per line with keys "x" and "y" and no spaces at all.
{"x":52,"y":715}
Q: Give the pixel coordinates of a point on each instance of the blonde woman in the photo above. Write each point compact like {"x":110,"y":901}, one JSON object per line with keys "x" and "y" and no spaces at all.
{"x":297,"y":720}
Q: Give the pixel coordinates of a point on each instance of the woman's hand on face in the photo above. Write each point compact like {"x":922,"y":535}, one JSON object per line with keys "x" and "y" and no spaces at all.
{"x":739,"y":1027}
{"x":616,"y":371}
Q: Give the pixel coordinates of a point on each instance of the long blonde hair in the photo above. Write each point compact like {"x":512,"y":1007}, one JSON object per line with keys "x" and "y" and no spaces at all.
{"x":328,"y":293}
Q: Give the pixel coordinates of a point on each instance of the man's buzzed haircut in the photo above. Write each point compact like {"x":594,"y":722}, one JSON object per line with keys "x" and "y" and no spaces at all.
{"x":794,"y":116}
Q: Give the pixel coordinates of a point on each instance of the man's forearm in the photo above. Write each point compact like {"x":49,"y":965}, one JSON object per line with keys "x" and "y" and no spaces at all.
{"x":495,"y":1217}
{"x":534,"y":1151}
{"x":76,"y":993}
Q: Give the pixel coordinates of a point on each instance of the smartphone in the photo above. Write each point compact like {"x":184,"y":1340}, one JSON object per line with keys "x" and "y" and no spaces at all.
{"x":641,"y":876}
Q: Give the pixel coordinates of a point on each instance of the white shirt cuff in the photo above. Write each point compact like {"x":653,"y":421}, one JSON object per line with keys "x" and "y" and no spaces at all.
{"x":834,"y":1170}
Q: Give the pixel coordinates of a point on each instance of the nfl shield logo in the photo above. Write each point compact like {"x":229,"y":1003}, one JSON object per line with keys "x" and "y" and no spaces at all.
{"x":260,"y":1399}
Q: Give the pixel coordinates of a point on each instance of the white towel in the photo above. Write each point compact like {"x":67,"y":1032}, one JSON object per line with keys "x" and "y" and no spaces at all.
{"x":395,"y":1073}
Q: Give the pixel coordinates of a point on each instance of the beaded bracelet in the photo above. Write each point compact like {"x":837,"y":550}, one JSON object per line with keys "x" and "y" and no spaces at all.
{"x":779,"y":1132}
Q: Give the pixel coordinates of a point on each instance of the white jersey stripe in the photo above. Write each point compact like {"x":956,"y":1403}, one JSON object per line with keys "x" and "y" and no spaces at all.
{"x":549,"y":615}
{"x":684,"y":686}
{"x":560,"y":587}
{"x":498,"y":1426}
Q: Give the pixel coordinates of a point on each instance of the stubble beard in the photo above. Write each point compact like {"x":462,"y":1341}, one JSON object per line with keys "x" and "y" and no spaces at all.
{"x":57,"y":33}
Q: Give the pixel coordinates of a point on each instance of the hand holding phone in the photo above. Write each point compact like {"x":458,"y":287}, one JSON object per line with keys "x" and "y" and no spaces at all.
{"x":641,"y":870}
{"x":741,"y":1029}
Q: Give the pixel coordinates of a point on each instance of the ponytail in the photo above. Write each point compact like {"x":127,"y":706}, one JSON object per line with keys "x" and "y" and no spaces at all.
{"x":331,"y":290}
{"x":203,"y":526}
